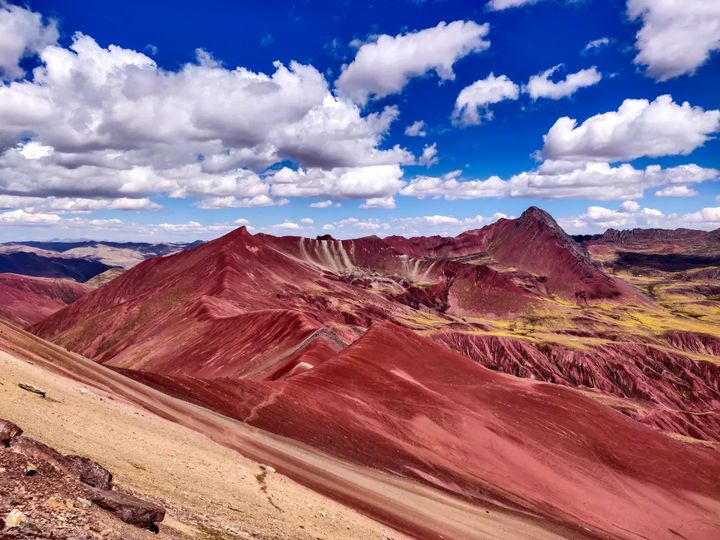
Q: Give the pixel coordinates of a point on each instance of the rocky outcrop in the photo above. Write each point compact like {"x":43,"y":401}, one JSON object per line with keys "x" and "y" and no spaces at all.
{"x":129,"y":508}
{"x":8,"y":432}
{"x":93,"y":481}
{"x":90,"y":472}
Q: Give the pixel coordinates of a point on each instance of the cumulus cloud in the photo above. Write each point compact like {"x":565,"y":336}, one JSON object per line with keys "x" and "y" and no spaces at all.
{"x":429,"y":155}
{"x":416,"y":129}
{"x":706,"y":218}
{"x":107,"y":122}
{"x":676,"y":37}
{"x":21,"y":217}
{"x":638,"y":128}
{"x":561,"y":179}
{"x":676,"y":191}
{"x":540,"y":85}
{"x":472,"y":103}
{"x":600,"y":218}
{"x":597,"y":219}
{"x":307,"y":221}
{"x":75,"y":205}
{"x":386,"y":64}
{"x":450,"y":187}
{"x":350,"y":183}
{"x":22,"y":33}
{"x":379,"y":202}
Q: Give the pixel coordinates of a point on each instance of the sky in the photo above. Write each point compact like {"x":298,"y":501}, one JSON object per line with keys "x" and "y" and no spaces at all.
{"x":173,"y":121}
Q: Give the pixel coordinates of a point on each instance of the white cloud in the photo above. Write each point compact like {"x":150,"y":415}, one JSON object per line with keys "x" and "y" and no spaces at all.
{"x":596,"y":44}
{"x":707,"y":218}
{"x":540,"y":85}
{"x":410,"y":226}
{"x":215,"y":203}
{"x":35,"y":150}
{"x":351,"y":183}
{"x":107,"y":122}
{"x":307,"y":221}
{"x":385,"y":65}
{"x":379,"y":202}
{"x":561,"y":179}
{"x":321,"y":204}
{"x":241,"y":221}
{"x":21,"y":217}
{"x":598,"y":219}
{"x":677,"y":36}
{"x":630,"y":206}
{"x":449,"y":187}
{"x":472,"y":103}
{"x":22,"y":33}
{"x":74,"y":205}
{"x":429,"y":155}
{"x":498,"y":5}
{"x":286,"y":225}
{"x":416,"y":129}
{"x":676,"y":191}
{"x":638,"y":128}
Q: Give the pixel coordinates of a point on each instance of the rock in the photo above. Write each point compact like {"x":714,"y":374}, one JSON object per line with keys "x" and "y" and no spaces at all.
{"x":33,"y":389}
{"x":38,"y":451}
{"x":16,"y":520}
{"x":90,"y":472}
{"x":8,"y":432}
{"x":83,"y":503}
{"x":30,"y":469}
{"x":129,"y":508}
{"x":267,"y":468}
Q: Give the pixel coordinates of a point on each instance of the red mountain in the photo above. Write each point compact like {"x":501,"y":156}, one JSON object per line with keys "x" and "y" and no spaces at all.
{"x":274,"y":331}
{"x":26,"y":300}
{"x":400,"y":403}
{"x":535,"y":244}
{"x":249,"y":304}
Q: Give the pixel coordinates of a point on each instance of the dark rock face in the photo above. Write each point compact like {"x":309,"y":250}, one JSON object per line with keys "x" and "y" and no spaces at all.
{"x":72,"y":468}
{"x":128,"y":508}
{"x":90,"y":472}
{"x":37,"y":451}
{"x":8,"y":432}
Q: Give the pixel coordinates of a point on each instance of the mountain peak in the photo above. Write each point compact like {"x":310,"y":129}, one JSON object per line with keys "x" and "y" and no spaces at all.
{"x":533,"y":213}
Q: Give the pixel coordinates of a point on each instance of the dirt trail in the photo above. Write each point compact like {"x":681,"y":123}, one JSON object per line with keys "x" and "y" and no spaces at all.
{"x":192,"y":474}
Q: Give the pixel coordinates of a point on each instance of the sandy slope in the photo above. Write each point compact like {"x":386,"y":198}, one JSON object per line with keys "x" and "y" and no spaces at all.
{"x":202,"y":482}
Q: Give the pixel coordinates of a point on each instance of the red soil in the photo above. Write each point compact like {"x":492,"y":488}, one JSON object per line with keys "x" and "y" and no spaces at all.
{"x":26,"y":300}
{"x":401,"y":403}
{"x":245,"y":305}
{"x":659,"y":388}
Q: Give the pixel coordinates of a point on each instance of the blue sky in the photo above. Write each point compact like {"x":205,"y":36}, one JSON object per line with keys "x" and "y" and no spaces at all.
{"x":131,"y":120}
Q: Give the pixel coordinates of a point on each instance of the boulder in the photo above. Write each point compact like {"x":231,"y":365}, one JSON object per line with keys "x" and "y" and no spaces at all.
{"x":129,"y":508}
{"x":90,"y":472}
{"x":38,"y":452}
{"x":8,"y":432}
